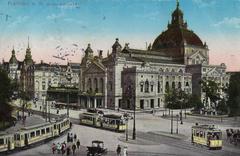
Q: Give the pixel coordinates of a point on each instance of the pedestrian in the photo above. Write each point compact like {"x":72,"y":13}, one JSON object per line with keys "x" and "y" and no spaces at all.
{"x":74,"y":148}
{"x":75,"y":137}
{"x":53,"y":148}
{"x":118,"y":150}
{"x":125,"y":152}
{"x":63,"y":148}
{"x":71,"y":137}
{"x":68,"y":150}
{"x":78,"y":144}
{"x":68,"y":137}
{"x":58,"y":147}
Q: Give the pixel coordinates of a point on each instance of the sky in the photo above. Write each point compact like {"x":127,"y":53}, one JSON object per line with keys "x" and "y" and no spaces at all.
{"x":60,"y":27}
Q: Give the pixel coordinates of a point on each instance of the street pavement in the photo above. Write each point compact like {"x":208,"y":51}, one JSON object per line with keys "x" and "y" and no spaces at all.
{"x":153,"y":137}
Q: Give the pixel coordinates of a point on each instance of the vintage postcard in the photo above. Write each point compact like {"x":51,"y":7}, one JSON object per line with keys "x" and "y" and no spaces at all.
{"x":120,"y":77}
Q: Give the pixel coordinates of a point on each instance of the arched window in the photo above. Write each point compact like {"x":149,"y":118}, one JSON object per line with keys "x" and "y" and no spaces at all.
{"x":159,"y":87}
{"x":96,"y":85}
{"x":89,"y":84}
{"x":167,"y":85}
{"x":147,"y":86}
{"x":179,"y":85}
{"x":173,"y":85}
{"x":101,"y":85}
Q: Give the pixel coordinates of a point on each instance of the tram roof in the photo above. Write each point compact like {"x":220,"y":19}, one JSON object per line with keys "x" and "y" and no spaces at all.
{"x":35,"y":126}
{"x":206,"y":127}
{"x":112,"y":116}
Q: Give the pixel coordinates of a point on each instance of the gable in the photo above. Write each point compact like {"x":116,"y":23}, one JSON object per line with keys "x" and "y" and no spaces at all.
{"x":94,"y":68}
{"x":213,"y":72}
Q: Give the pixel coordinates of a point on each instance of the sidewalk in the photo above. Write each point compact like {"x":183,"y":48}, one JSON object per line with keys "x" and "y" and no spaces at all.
{"x":30,"y":121}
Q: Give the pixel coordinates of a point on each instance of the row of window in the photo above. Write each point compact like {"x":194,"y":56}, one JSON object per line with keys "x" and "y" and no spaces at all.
{"x":148,"y":87}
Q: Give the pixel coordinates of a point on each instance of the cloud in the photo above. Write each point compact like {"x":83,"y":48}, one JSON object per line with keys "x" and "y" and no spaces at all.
{"x":55,"y":16}
{"x":205,"y":3}
{"x":229,"y":21}
{"x":19,"y":20}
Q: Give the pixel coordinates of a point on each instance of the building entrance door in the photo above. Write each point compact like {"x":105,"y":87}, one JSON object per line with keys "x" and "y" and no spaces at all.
{"x":152,"y":103}
{"x":141,"y":104}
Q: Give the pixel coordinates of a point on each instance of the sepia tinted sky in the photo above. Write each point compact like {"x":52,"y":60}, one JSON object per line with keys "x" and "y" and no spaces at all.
{"x":50,"y":23}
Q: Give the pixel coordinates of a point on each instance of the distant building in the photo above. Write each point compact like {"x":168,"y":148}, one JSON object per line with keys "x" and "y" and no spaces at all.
{"x":131,"y":77}
{"x":54,"y":76}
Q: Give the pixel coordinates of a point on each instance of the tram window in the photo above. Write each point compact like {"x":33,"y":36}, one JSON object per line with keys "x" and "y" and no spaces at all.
{"x":17,"y":137}
{"x":197,"y":134}
{"x":201,"y":134}
{"x":48,"y":130}
{"x":55,"y":127}
{"x":1,"y":141}
{"x":43,"y":131}
{"x":32,"y":134}
{"x":37,"y":132}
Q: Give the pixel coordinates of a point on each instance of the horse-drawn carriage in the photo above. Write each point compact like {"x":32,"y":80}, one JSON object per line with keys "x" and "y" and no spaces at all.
{"x":96,"y":149}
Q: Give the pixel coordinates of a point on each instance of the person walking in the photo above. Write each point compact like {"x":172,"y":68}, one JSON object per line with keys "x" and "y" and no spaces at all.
{"x":74,"y":148}
{"x":78,"y":143}
{"x":68,"y":150}
{"x":125,"y":152}
{"x":58,"y":147}
{"x":53,"y":148}
{"x":118,"y":150}
{"x":68,"y":137}
{"x":75,"y":137}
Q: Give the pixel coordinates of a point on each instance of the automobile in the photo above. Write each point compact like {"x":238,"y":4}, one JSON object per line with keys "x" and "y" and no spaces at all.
{"x":96,"y":149}
{"x":128,"y":116}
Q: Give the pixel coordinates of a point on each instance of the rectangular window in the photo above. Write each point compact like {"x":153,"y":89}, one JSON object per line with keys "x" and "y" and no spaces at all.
{"x":151,"y":88}
{"x":48,"y":130}
{"x":37,"y":132}
{"x":141,"y":88}
{"x":158,"y":102}
{"x":32,"y":134}
{"x":1,"y":141}
{"x":43,"y":131}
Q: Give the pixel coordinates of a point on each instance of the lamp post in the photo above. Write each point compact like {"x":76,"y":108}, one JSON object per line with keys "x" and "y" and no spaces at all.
{"x":134,"y":122}
{"x":172,"y":122}
{"x":126,"y":119}
{"x":69,"y":78}
{"x":177,"y":125}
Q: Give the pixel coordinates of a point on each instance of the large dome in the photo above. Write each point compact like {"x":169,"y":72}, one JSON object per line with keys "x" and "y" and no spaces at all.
{"x":174,"y":37}
{"x":170,"y":42}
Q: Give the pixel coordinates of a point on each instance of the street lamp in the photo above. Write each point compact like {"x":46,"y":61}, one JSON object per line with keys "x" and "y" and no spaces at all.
{"x":177,"y":125}
{"x":69,"y":78}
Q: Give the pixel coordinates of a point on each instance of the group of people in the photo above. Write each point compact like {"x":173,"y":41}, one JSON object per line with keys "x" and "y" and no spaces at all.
{"x":70,"y":147}
{"x":233,"y":136}
{"x":119,"y":151}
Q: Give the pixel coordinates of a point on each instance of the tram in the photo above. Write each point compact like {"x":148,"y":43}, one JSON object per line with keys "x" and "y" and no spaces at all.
{"x":33,"y":134}
{"x":105,"y":121}
{"x":207,"y":135}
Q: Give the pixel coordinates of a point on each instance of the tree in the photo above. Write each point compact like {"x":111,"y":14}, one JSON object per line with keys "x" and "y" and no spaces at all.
{"x":233,"y":91}
{"x":5,"y":97}
{"x":195,"y":102}
{"x":177,"y":99}
{"x":211,"y":90}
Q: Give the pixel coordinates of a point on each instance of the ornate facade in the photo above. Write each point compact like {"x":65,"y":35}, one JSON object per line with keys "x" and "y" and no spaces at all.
{"x":131,"y":77}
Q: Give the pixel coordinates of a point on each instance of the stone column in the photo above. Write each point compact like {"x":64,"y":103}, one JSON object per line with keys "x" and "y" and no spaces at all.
{"x":95,"y":103}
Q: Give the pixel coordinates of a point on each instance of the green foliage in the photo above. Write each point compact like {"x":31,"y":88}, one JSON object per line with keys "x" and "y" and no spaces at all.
{"x":195,"y":102}
{"x":5,"y":94}
{"x":177,"y":99}
{"x":234,"y":95}
{"x":211,"y":88}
